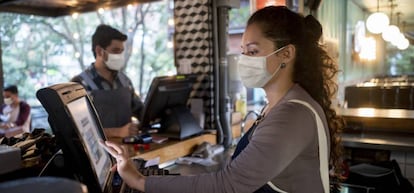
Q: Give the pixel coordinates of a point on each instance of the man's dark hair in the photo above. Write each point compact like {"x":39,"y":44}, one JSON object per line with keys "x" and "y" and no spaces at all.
{"x":12,"y":88}
{"x":103,"y":36}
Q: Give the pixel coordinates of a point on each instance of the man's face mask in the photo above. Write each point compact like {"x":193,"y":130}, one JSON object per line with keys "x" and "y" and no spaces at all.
{"x":115,"y":61}
{"x":253,"y":70}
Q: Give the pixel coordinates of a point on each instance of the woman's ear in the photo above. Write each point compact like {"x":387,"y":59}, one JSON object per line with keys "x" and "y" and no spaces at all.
{"x":289,"y":53}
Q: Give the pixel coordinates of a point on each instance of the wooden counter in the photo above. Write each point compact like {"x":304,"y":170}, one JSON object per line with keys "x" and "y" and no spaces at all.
{"x":170,"y":149}
{"x":173,"y":149}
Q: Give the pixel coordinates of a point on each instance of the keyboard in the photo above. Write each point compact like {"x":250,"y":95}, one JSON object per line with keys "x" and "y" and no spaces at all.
{"x":117,"y":183}
{"x":149,"y":171}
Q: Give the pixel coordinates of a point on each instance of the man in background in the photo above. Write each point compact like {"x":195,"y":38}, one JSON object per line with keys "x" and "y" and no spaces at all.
{"x":111,"y":90}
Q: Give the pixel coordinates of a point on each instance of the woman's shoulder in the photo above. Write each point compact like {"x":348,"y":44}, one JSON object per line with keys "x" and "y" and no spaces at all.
{"x":293,"y":113}
{"x":298,"y":94}
{"x":290,"y":110}
{"x":290,"y":121}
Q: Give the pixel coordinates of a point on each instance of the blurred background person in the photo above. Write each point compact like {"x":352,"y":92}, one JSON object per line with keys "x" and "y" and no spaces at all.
{"x":15,"y":113}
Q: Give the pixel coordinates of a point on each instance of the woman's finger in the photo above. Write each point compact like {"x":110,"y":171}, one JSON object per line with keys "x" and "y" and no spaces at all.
{"x":116,"y":147}
{"x":110,"y":150}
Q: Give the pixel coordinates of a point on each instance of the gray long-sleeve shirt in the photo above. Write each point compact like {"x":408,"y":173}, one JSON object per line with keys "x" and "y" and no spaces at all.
{"x":283,"y":149}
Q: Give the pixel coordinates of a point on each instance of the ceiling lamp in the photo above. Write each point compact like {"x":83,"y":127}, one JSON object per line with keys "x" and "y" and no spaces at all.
{"x":400,"y":41}
{"x":377,"y":22}
{"x":403,"y":44}
{"x":390,"y":32}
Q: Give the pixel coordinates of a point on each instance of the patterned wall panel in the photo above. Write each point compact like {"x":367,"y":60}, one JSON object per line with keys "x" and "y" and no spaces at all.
{"x":193,"y":44}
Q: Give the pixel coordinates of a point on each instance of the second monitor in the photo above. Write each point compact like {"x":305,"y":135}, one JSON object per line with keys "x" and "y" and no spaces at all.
{"x":166,"y":107}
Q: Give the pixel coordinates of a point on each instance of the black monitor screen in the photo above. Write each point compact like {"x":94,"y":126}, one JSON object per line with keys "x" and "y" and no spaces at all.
{"x":77,"y":128}
{"x":166,"y":107}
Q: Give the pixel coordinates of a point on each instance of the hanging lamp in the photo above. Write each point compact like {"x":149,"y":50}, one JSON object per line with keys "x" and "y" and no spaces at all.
{"x":377,"y":22}
{"x":399,"y":40}
{"x":391,"y":31}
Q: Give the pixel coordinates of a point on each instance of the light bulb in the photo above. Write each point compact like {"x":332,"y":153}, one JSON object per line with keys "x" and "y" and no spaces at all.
{"x":377,"y":22}
{"x":75,"y":15}
{"x":403,"y":43}
{"x":390,"y":32}
{"x":395,"y":40}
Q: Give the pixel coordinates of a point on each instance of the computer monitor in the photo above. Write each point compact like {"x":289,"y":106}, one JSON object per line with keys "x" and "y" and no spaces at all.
{"x":166,"y":107}
{"x":77,"y":128}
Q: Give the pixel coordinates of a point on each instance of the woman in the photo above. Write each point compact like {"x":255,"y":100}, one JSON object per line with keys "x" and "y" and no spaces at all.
{"x":280,"y":153}
{"x":14,"y":113}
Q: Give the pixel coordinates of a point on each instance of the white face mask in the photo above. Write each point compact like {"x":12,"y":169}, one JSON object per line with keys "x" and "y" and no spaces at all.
{"x":253,"y":70}
{"x":8,"y":101}
{"x":115,"y":61}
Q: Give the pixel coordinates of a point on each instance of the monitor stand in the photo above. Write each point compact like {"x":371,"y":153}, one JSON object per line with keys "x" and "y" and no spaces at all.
{"x":179,"y":123}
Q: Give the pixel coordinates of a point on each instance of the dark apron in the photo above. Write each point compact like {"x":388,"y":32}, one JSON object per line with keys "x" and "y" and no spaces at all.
{"x":113,"y":106}
{"x":244,"y":141}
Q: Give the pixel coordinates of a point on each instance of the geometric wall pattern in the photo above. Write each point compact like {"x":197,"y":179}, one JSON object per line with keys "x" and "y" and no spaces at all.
{"x":193,"y":44}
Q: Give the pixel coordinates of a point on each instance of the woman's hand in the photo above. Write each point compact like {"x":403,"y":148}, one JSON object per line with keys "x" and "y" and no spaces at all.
{"x":124,"y":165}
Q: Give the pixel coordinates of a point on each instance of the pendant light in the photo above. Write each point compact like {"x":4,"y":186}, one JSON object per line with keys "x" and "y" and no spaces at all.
{"x":403,"y":43}
{"x":399,"y":39}
{"x":377,"y":22}
{"x":391,"y":31}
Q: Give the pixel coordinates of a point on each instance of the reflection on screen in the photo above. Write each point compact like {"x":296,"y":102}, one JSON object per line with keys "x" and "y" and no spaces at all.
{"x":88,"y":129}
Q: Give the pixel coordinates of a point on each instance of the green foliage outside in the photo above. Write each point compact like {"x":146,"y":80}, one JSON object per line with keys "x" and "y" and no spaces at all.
{"x":238,"y":17}
{"x":400,"y":62}
{"x":40,"y":51}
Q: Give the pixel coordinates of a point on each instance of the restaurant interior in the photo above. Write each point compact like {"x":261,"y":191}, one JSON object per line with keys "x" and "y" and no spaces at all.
{"x":371,"y":41}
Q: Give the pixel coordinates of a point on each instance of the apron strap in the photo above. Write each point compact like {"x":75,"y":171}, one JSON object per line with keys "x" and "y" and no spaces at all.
{"x":275,"y":188}
{"x":124,"y":79}
{"x":323,"y":146}
{"x":88,"y":80}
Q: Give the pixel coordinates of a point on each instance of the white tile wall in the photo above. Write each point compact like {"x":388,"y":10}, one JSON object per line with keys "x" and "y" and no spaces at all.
{"x":409,"y":171}
{"x":399,"y":156}
{"x":409,"y":168}
{"x":410,"y":158}
{"x":406,"y":162}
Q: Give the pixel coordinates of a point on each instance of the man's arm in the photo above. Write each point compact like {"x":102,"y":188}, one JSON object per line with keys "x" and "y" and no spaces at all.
{"x":137,"y":105}
{"x":76,"y":79}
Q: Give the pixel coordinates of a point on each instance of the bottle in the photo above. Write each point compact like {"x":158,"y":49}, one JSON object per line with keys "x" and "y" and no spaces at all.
{"x":241,"y":101}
